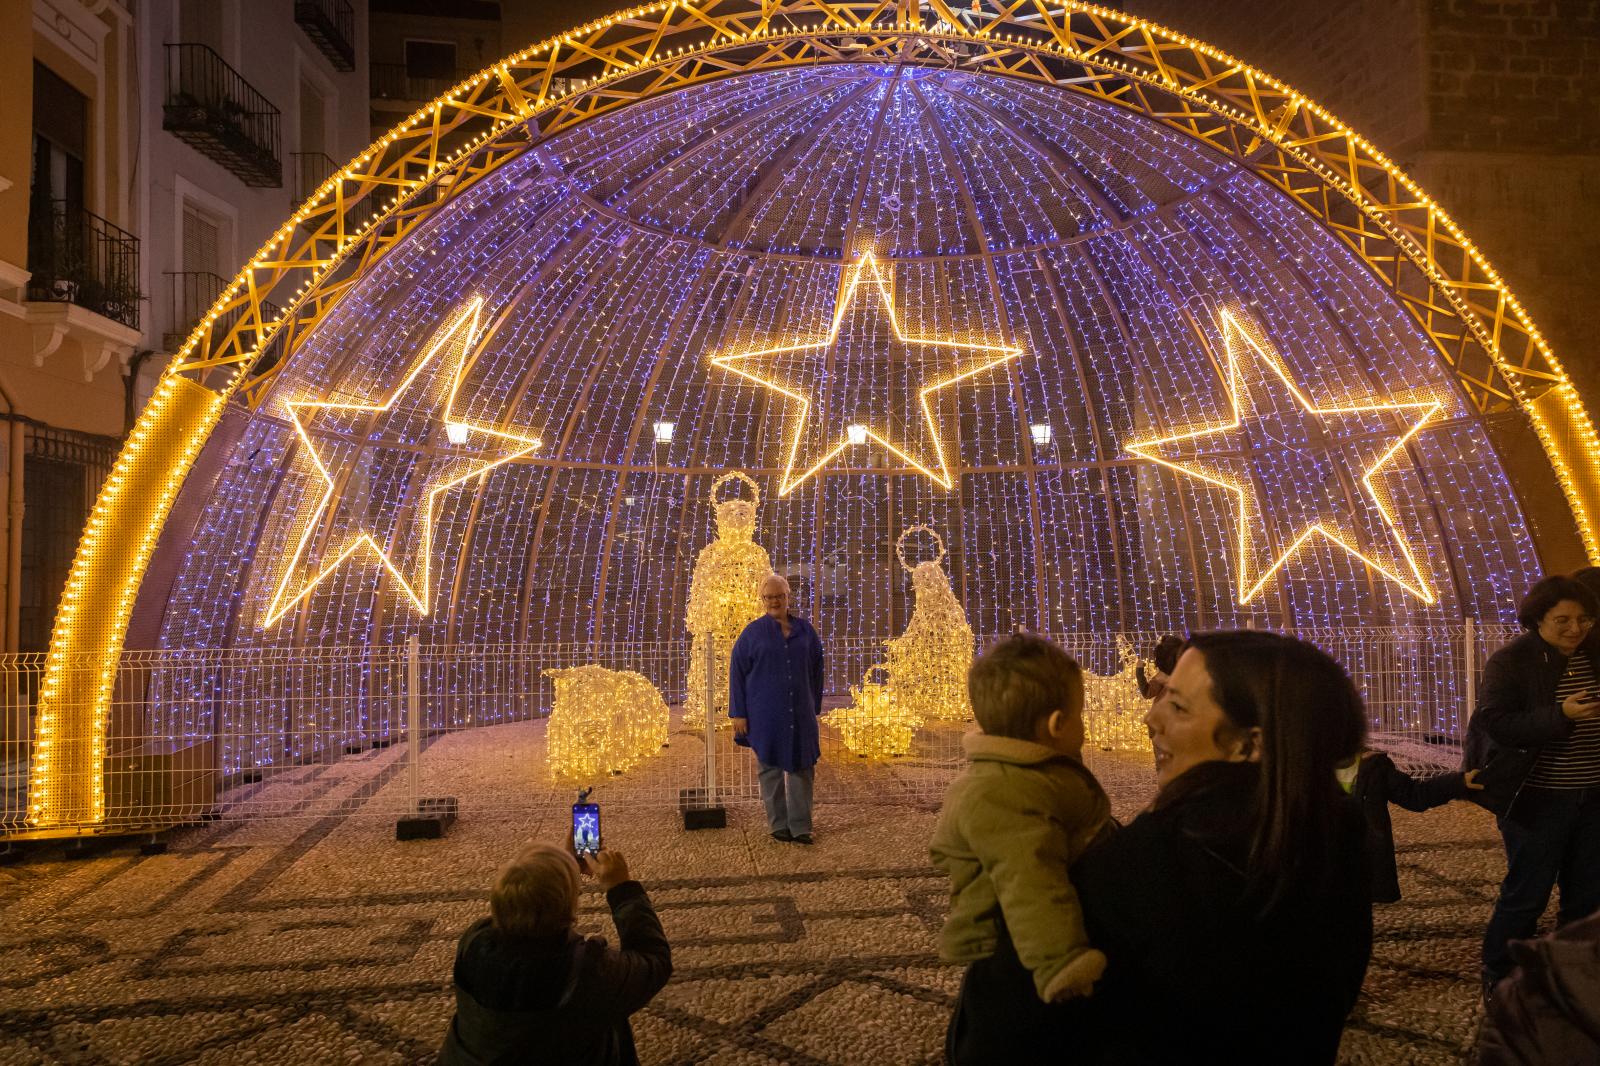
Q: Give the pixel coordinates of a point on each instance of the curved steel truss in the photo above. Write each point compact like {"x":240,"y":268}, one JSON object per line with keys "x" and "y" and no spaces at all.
{"x":1478,"y":327}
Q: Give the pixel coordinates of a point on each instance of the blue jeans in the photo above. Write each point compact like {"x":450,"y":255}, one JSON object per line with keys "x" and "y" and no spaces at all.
{"x":1552,"y":837}
{"x":787,"y":797}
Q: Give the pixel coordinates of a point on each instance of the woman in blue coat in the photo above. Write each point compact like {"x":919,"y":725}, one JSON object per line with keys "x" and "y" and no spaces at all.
{"x":775,"y":696}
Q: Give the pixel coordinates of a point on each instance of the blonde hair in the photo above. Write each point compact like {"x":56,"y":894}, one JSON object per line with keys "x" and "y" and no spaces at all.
{"x":536,"y":893}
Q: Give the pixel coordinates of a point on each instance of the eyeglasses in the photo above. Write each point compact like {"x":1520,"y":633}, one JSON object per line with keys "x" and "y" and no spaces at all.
{"x":776,"y":596}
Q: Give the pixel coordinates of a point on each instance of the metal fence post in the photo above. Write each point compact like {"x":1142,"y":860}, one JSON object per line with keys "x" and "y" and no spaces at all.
{"x":1469,"y":654}
{"x":699,"y":805}
{"x":414,"y":723}
{"x":710,"y":697}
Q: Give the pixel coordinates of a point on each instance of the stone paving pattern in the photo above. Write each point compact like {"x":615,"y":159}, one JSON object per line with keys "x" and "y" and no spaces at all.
{"x":322,"y":939}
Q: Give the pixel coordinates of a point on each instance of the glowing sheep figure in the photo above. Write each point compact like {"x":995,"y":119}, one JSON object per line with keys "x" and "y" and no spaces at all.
{"x":1113,"y":708}
{"x":724,"y":597}
{"x":873,"y":727}
{"x":928,"y":663}
{"x":603,"y":722}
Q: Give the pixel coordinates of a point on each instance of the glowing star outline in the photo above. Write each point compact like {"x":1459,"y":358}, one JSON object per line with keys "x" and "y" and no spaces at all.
{"x":885,"y":288}
{"x":1417,"y":585}
{"x":467,"y":317}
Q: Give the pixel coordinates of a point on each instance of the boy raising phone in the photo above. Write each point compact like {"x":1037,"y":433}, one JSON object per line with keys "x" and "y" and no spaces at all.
{"x":530,"y":989}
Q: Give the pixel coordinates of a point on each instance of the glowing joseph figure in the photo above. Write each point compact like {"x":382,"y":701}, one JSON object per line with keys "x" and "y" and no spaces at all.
{"x":928,"y":663}
{"x":724,"y":596}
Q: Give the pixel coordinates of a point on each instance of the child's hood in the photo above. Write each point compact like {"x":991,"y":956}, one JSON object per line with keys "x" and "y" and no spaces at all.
{"x":981,"y":747}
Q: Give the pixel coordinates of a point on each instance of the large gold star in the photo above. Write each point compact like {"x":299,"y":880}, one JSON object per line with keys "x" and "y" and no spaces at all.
{"x":1278,"y":443}
{"x":388,"y":433}
{"x":850,"y":399}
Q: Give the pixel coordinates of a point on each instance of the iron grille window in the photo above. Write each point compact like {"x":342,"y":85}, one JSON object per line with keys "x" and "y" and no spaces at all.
{"x":62,"y":473}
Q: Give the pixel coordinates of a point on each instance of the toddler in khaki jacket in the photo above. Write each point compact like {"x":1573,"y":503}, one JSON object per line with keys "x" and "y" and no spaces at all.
{"x":1019,"y":815}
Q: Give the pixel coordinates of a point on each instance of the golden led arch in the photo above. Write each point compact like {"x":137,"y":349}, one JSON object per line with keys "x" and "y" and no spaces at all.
{"x":368,"y":208}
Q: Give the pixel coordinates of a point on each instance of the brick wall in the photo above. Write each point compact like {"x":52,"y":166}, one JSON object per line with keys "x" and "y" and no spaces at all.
{"x":1514,"y":75}
{"x":1358,"y":58}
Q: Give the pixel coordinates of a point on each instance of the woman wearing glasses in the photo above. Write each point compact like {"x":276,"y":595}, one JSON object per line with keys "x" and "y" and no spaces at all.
{"x":1536,"y":738}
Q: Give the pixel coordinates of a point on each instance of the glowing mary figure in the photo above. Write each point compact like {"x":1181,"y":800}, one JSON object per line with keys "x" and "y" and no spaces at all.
{"x":928,"y":663}
{"x":724,"y":596}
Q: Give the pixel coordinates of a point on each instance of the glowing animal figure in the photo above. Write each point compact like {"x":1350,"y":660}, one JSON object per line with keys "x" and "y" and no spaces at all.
{"x":1113,"y":707}
{"x":724,"y":597}
{"x":603,"y":722}
{"x":874,"y":726}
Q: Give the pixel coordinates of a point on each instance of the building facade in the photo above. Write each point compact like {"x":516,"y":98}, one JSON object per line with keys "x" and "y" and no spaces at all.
{"x":147,"y":151}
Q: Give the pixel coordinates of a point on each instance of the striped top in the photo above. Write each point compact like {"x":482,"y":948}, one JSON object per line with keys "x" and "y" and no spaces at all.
{"x":1574,"y":761}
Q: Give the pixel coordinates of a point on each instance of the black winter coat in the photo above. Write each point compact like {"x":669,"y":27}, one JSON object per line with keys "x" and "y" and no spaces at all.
{"x":1193,"y":973}
{"x":564,"y":1000}
{"x":1379,"y":783}
{"x":1517,"y":714}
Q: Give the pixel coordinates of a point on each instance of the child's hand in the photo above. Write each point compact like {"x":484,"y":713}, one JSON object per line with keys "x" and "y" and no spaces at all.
{"x":1471,"y":778}
{"x":609,"y":869}
{"x":1077,"y":978}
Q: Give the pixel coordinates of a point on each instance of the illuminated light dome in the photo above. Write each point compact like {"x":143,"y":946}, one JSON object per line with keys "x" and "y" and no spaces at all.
{"x":616,"y":259}
{"x":1146,"y":370}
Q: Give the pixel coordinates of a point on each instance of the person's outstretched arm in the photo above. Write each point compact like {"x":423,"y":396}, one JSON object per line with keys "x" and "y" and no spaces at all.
{"x":640,"y":967}
{"x":1420,"y":794}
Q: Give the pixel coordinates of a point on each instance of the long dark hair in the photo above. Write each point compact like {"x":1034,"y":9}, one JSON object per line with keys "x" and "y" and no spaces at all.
{"x":1312,"y":721}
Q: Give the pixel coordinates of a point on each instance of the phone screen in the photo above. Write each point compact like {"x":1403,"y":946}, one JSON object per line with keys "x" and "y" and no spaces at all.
{"x":586,"y":828}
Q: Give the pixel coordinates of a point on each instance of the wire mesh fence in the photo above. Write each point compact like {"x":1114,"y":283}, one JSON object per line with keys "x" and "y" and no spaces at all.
{"x":371,"y":730}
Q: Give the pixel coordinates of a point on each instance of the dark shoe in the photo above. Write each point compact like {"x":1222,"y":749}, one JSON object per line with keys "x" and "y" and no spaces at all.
{"x":782,"y":836}
{"x":803,"y":838}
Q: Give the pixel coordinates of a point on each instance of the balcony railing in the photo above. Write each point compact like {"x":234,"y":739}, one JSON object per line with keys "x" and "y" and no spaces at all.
{"x":193,"y":293}
{"x":310,"y":170}
{"x":212,"y":107}
{"x":77,"y":257}
{"x":331,"y":24}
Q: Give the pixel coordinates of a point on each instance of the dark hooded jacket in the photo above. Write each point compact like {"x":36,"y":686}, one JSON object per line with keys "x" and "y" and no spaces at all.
{"x":1517,"y":715}
{"x":563,"y":999}
{"x":1379,"y":783}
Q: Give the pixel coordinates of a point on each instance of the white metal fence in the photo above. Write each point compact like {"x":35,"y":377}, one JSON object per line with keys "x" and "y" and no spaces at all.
{"x":197,"y":735}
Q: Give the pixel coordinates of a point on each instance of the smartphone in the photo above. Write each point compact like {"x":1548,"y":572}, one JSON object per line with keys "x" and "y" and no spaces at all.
{"x":586,"y":828}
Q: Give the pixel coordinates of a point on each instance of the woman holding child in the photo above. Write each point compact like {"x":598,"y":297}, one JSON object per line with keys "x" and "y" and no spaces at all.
{"x":1235,"y":911}
{"x":1233,"y":915}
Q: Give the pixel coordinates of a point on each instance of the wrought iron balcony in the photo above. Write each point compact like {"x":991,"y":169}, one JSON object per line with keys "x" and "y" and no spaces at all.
{"x":193,"y":293}
{"x":331,"y":24}
{"x":77,"y":257}
{"x":212,"y":107}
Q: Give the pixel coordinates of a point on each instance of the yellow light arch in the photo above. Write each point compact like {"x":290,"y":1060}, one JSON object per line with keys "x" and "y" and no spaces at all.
{"x":369,"y":207}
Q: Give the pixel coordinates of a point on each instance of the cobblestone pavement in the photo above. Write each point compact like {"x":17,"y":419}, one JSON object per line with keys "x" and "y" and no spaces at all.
{"x":324,"y":940}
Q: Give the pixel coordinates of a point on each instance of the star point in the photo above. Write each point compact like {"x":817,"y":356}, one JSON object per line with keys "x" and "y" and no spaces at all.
{"x":465,"y":456}
{"x":1300,"y":431}
{"x":791,"y":370}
